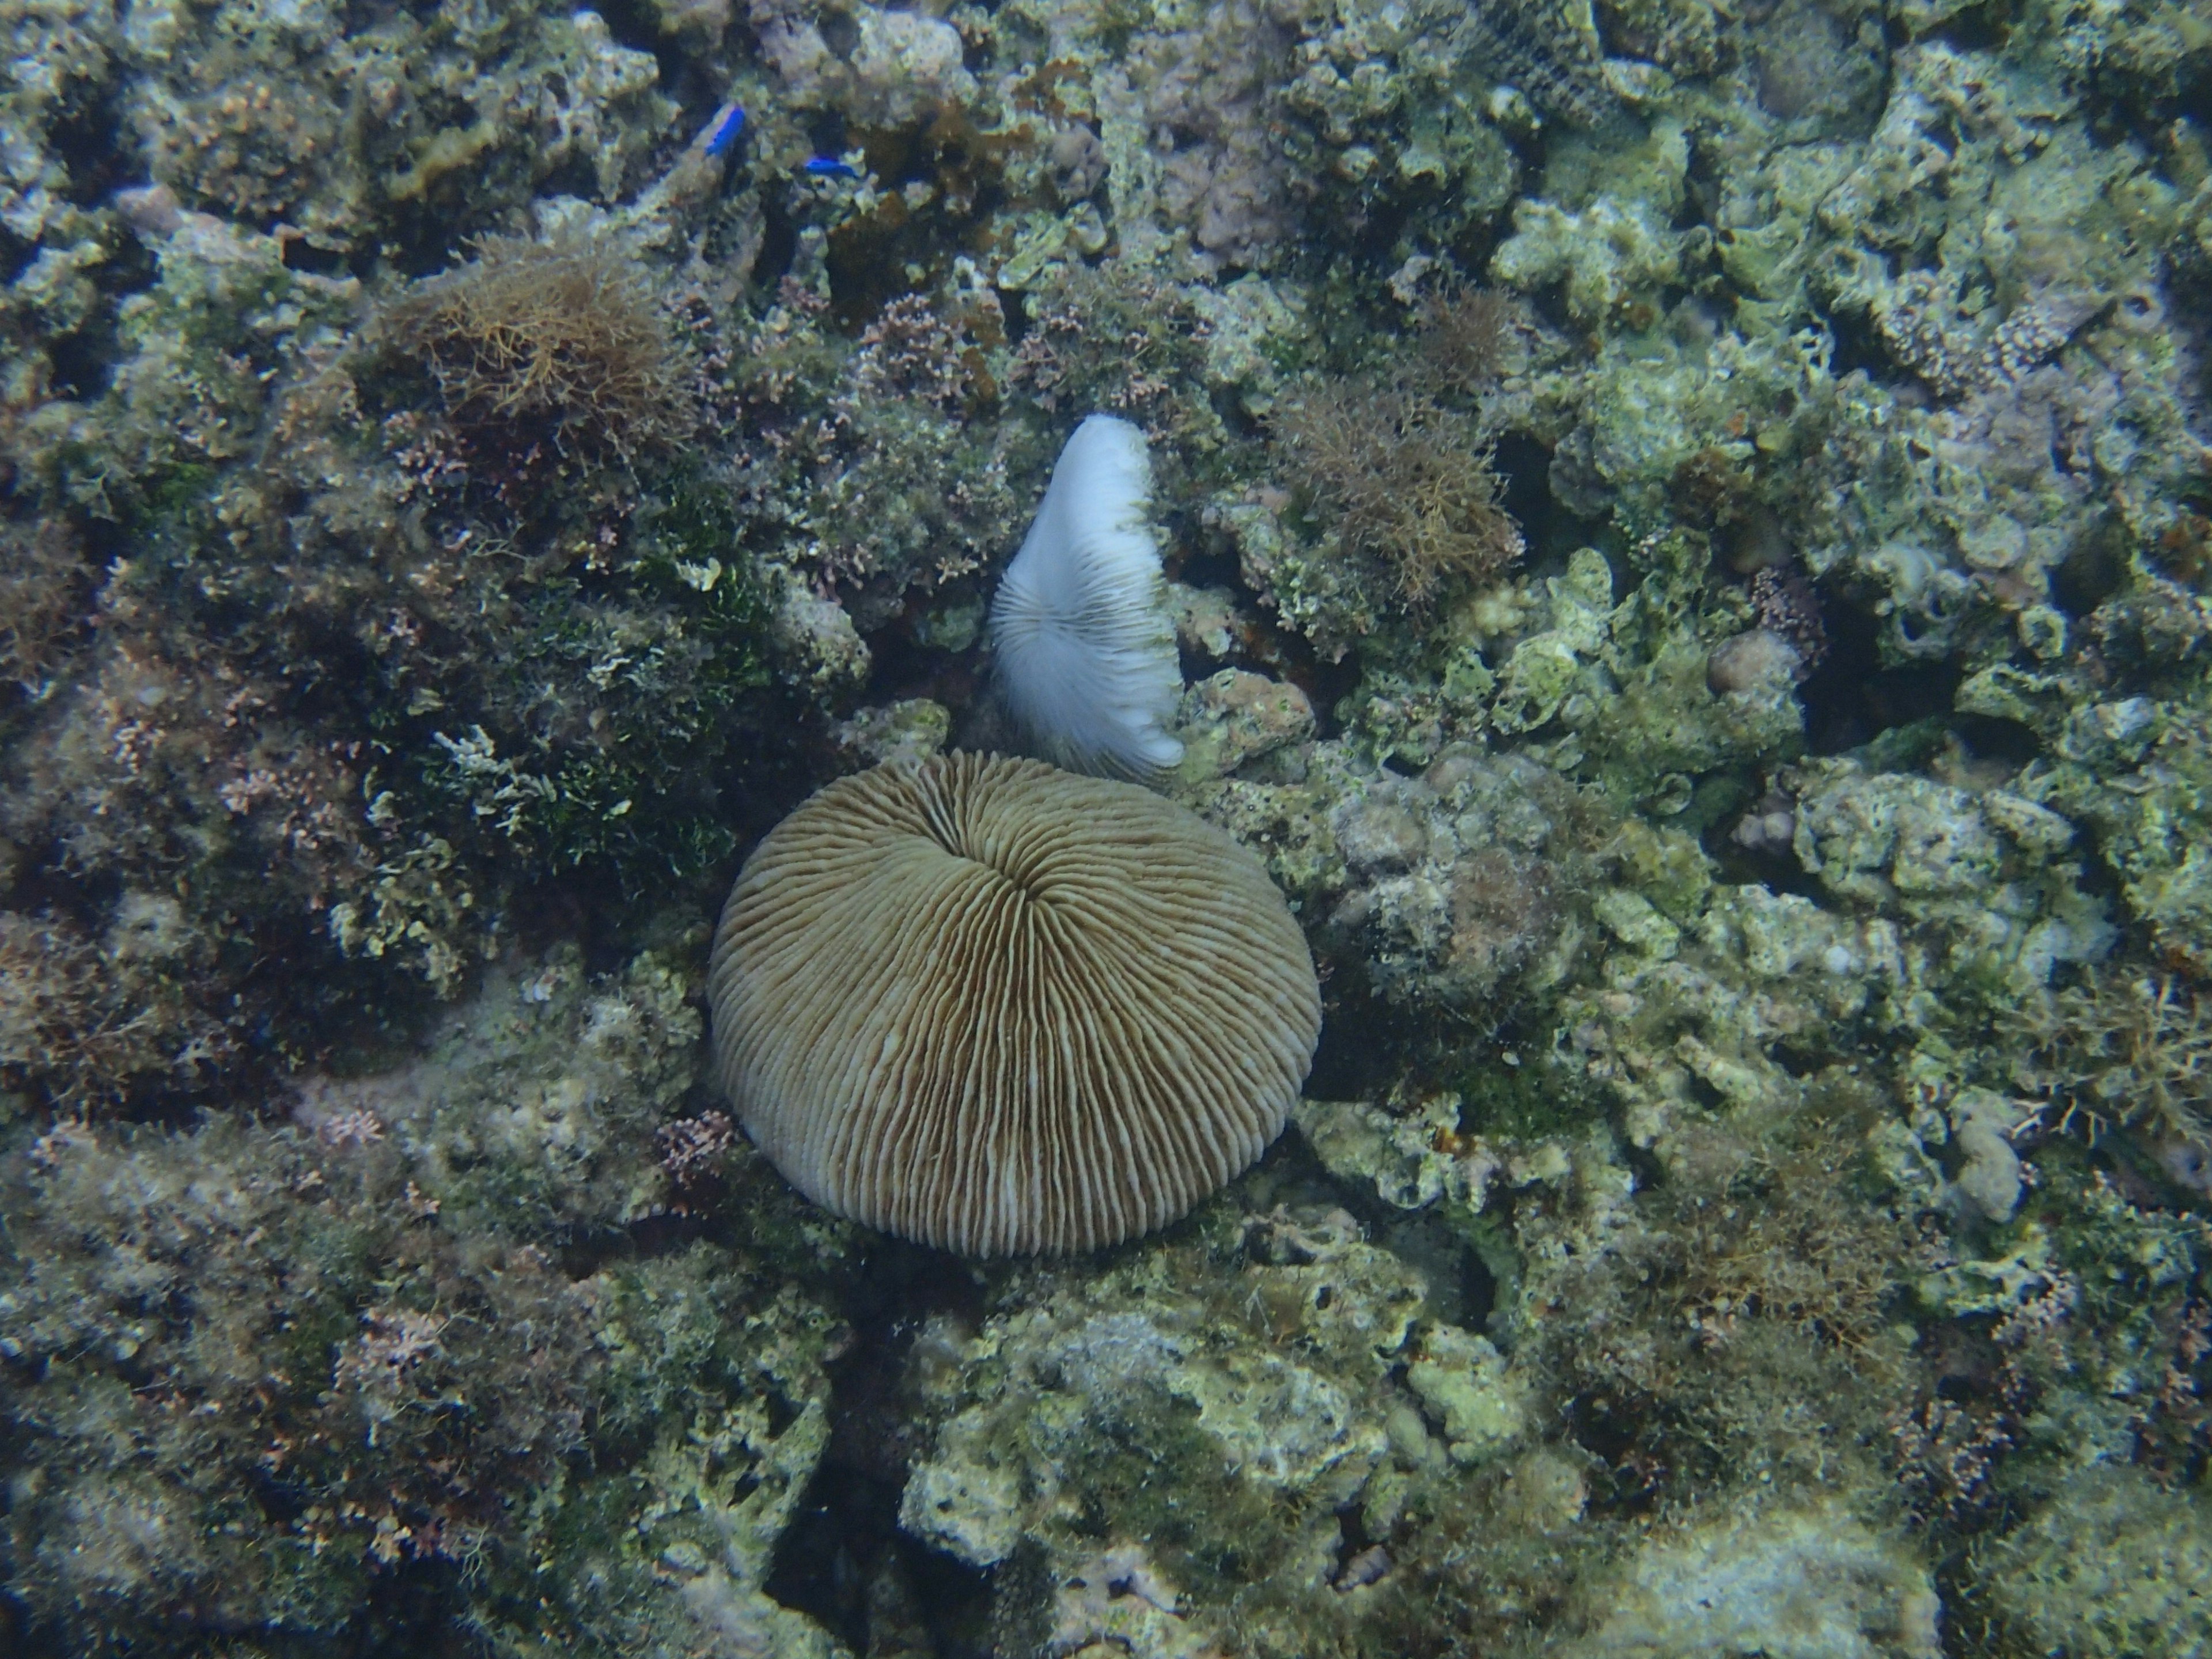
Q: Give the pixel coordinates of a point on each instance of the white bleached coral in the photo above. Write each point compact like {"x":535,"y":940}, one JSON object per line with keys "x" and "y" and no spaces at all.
{"x":1085,"y":650}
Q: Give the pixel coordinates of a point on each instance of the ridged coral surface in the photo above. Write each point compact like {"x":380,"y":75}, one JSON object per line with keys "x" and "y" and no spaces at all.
{"x":1002,"y":1009}
{"x":1667,"y":546}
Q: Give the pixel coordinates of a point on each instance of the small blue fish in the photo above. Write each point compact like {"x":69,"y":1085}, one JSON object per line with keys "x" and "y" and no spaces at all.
{"x":827,"y":167}
{"x":728,"y":126}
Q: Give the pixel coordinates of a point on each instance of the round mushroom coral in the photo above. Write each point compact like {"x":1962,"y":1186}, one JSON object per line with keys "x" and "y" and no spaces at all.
{"x":1000,"y":1008}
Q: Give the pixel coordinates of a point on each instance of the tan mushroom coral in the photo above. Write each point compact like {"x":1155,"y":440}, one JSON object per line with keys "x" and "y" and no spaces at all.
{"x":1001,"y":1008}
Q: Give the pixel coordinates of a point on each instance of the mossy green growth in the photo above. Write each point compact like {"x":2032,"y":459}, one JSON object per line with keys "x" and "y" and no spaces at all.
{"x":604,"y":737}
{"x":534,"y":1113}
{"x":713,"y":1416}
{"x":1147,"y":1469}
{"x":1667,"y":866}
{"x":2112,"y":1566}
{"x":1530,"y":1101}
{"x":2132,"y":1265}
{"x":171,"y":505}
{"x":260,"y":1372}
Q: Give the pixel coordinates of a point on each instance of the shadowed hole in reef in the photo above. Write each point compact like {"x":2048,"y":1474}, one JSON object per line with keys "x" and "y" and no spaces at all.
{"x":1525,"y":467}
{"x":1348,"y":1063}
{"x":1851,"y":699}
{"x":1462,"y":1289}
{"x":843,"y":1561}
{"x":300,"y":254}
{"x":86,"y":134}
{"x":1990,"y":738}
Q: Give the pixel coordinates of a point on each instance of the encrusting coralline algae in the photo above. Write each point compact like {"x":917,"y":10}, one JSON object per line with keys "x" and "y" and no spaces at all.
{"x":1689,"y":529}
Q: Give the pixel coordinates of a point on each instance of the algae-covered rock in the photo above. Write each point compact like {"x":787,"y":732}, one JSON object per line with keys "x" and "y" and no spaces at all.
{"x":1401,"y":1154}
{"x":1768,"y":1579}
{"x":536,"y":1105}
{"x":1616,"y":249}
{"x":1234,"y":718}
{"x":1982,"y":1127}
{"x":1464,"y":1381}
{"x":612,"y":1455}
{"x":1211,"y":1412}
{"x":2111,"y":1563}
{"x":913,"y":729}
{"x":2139,"y":769}
{"x":1992,"y":876}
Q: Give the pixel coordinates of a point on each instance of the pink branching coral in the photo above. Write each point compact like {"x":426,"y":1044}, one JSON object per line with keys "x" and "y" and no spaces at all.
{"x":912,"y":351}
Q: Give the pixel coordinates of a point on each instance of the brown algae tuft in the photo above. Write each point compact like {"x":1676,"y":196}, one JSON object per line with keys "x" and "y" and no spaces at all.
{"x":559,"y":338}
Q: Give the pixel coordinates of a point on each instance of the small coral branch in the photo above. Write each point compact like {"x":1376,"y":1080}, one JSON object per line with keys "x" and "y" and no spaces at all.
{"x":1461,"y":333}
{"x":693,"y":1149}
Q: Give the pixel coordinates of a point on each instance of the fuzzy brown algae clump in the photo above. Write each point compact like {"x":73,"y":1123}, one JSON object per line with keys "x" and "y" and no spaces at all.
{"x":1688,"y":531}
{"x":560,"y":337}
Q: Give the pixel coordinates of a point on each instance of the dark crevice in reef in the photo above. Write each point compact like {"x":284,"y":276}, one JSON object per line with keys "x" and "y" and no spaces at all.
{"x":903,"y":666}
{"x":13,"y":1634}
{"x":302,"y":255}
{"x":84,"y":359}
{"x":1851,"y":699}
{"x":779,"y":247}
{"x":1859,"y":346}
{"x":2094,"y":569}
{"x":843,"y":1561}
{"x":86,"y":137}
{"x":15,"y":254}
{"x":683,"y":74}
{"x":1348,"y":1063}
{"x":1775,"y":868}
{"x":1525,"y":467}
{"x":1990,"y":738}
{"x":1461,"y":1289}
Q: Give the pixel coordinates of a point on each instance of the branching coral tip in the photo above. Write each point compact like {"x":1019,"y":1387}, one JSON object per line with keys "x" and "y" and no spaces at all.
{"x":1085,"y":654}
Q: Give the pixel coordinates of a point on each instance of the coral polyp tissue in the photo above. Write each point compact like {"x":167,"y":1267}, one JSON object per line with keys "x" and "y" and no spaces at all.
{"x":1686,"y":532}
